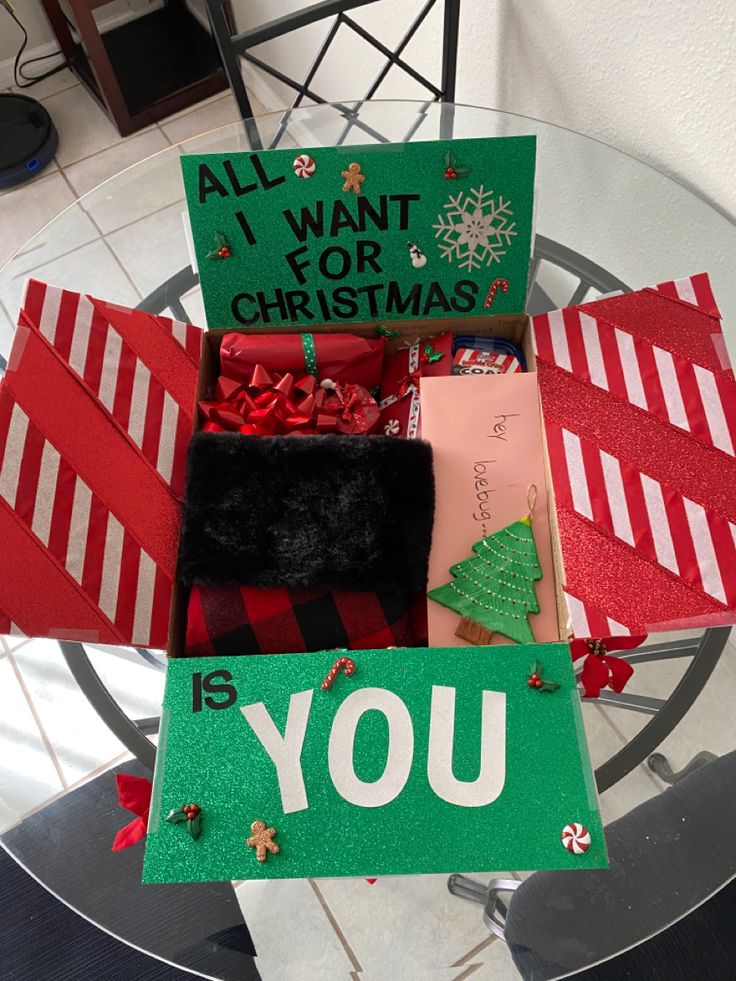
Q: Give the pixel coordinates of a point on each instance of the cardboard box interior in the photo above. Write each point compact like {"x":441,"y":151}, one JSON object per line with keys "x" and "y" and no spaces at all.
{"x":510,"y":328}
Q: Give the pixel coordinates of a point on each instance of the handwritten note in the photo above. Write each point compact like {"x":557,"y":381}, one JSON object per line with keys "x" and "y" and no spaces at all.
{"x":486,"y":435}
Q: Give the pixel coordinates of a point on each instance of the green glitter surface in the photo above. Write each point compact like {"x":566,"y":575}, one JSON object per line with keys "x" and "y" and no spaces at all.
{"x":213,"y":758}
{"x":355,"y":283}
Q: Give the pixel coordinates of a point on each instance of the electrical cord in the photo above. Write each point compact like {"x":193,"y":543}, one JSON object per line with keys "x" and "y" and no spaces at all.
{"x":29,"y":81}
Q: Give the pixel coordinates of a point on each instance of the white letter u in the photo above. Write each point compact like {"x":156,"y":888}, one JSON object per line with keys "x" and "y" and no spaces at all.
{"x":492,"y":776}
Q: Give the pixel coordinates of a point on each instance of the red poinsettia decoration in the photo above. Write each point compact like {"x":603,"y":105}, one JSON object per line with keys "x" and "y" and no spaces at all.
{"x":134,"y":794}
{"x":601,"y":669}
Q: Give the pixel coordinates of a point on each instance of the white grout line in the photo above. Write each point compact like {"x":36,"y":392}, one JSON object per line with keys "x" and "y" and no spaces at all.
{"x":21,"y":643}
{"x":332,"y":920}
{"x":37,"y":719}
{"x":159,"y":127}
{"x":119,"y":261}
{"x":75,"y":786}
{"x":34,"y":182}
{"x":474,"y":952}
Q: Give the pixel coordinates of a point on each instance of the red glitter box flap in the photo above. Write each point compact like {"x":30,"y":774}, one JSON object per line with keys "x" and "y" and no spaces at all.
{"x":96,"y":413}
{"x":639,"y":406}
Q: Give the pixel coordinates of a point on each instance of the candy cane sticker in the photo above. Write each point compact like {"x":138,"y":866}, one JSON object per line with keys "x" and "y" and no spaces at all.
{"x":576,"y":838}
{"x":345,"y":663}
{"x":497,"y":284}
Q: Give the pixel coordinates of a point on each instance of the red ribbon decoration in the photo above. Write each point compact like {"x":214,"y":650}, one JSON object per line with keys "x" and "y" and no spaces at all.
{"x":134,"y":794}
{"x":409,"y":383}
{"x":278,"y":404}
{"x":601,"y":669}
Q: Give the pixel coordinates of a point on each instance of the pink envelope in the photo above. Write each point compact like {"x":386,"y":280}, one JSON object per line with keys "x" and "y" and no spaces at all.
{"x":485,"y":428}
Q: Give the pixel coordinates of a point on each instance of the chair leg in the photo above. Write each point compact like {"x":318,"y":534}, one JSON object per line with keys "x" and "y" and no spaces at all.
{"x":465,"y":888}
{"x":659,"y":764}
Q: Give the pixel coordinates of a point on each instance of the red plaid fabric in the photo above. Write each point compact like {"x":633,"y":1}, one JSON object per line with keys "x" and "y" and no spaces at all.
{"x":224,"y":620}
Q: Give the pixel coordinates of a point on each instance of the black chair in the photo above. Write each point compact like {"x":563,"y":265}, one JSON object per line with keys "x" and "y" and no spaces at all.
{"x":560,"y":922}
{"x":238,"y":47}
{"x":66,"y":845}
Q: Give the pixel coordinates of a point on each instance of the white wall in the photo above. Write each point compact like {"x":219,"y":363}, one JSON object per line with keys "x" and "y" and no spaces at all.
{"x":30,"y":13}
{"x":656,"y":78}
{"x":41,"y":39}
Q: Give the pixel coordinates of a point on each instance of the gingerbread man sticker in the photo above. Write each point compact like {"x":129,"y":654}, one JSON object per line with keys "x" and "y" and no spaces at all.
{"x":262,"y":840}
{"x":353,"y":178}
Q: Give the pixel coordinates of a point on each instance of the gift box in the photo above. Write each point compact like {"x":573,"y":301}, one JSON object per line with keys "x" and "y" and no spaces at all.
{"x":90,"y":496}
{"x":637,"y":400}
{"x":340,"y":357}
{"x":399,"y":396}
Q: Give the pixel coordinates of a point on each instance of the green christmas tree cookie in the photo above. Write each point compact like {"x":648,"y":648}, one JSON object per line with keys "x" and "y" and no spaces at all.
{"x":493,"y":590}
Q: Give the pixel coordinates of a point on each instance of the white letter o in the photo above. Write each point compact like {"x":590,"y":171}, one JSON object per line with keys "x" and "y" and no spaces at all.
{"x":400,"y":748}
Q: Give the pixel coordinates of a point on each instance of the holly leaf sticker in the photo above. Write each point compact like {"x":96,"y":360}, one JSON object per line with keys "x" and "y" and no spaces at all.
{"x":194,"y":827}
{"x":177,"y":816}
{"x":214,"y":254}
{"x":462,"y":170}
{"x":549,"y":686}
{"x":449,"y":159}
{"x":536,"y":668}
{"x":220,"y":239}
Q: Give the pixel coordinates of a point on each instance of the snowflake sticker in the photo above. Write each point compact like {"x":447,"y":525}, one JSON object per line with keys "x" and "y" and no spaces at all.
{"x":475,"y":228}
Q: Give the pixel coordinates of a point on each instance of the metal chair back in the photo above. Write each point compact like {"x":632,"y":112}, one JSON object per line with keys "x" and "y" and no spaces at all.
{"x":237,"y":48}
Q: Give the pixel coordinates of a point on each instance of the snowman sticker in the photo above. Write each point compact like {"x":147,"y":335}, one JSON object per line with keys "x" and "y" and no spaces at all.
{"x":418,"y":258}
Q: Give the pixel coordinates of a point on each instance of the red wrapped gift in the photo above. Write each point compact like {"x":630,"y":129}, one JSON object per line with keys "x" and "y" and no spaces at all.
{"x":399,"y":400}
{"x":341,"y":357}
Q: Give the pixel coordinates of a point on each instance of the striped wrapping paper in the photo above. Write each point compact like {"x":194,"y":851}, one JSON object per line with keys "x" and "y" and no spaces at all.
{"x":639,"y":405}
{"x":96,"y":412}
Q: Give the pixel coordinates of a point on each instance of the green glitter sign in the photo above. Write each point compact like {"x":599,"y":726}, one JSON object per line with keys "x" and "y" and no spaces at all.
{"x":363,"y":233}
{"x":423,"y":760}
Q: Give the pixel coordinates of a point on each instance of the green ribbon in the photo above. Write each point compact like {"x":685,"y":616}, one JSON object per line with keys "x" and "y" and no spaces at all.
{"x":310,"y":354}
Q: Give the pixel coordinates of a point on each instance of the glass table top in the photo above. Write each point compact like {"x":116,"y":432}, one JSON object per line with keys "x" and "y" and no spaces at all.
{"x":604,"y":221}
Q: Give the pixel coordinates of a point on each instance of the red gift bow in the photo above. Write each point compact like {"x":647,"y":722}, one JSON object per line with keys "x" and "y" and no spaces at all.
{"x":356,"y":411}
{"x":278,"y":404}
{"x":134,"y":794}
{"x":601,"y":669}
{"x":409,"y":383}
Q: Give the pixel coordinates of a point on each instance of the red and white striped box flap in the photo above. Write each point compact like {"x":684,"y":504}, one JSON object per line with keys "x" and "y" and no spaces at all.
{"x":96,"y":413}
{"x":639,"y":406}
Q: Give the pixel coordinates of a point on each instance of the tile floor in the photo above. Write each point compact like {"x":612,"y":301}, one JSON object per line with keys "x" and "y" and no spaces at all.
{"x":90,"y":151}
{"x":51,"y":739}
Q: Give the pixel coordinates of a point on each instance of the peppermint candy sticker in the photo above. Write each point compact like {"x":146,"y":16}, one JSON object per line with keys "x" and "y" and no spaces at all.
{"x":304,"y":166}
{"x":576,"y":838}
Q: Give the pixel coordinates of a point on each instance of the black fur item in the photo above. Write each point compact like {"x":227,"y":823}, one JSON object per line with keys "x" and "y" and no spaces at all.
{"x":323,"y":512}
